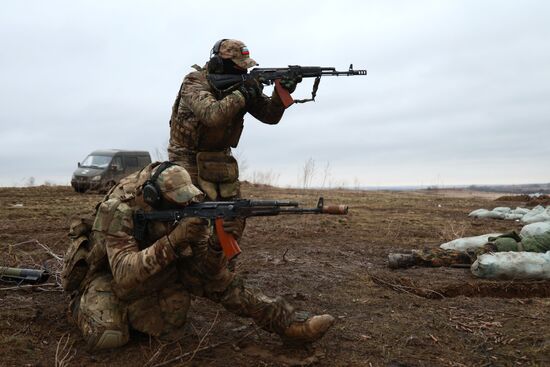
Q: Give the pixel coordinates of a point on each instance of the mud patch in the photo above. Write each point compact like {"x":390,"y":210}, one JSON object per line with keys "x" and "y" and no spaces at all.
{"x":500,"y":289}
{"x":305,"y":358}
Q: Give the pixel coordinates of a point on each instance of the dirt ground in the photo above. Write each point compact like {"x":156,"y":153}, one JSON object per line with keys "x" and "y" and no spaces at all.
{"x":324,"y":264}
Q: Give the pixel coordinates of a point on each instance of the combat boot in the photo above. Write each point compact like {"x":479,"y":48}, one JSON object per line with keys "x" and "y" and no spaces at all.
{"x":396,"y":261}
{"x":307,"y":329}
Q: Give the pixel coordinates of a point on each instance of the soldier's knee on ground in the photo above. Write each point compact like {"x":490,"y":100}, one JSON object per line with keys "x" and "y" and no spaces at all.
{"x":101,"y":316}
{"x":162,"y":314}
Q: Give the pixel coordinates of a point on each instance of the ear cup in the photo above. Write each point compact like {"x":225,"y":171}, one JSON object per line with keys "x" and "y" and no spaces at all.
{"x":151,"y":194}
{"x":150,"y":189}
{"x":216,"y":48}
{"x":215,"y":65}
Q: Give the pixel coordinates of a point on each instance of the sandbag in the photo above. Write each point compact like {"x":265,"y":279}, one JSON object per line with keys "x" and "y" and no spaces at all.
{"x":502,"y":209}
{"x":463,"y":244}
{"x":533,"y":229}
{"x":513,"y":216}
{"x":479,"y":213}
{"x":512,"y":265}
{"x":537,"y":214}
{"x":484,"y":213}
{"x":521,"y":211}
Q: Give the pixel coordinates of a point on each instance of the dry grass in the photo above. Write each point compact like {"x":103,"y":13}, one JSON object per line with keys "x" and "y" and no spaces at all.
{"x":64,"y":352}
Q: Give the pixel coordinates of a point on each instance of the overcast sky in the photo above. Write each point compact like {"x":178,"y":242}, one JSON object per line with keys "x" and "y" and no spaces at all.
{"x":457,"y":92}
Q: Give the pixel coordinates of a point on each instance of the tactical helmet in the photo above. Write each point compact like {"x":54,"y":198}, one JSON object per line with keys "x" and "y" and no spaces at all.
{"x":234,"y":50}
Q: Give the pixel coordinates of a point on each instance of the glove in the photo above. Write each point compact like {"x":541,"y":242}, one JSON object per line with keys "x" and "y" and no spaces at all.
{"x":190,"y":230}
{"x":251,"y":90}
{"x":290,"y":83}
{"x":234,"y":227}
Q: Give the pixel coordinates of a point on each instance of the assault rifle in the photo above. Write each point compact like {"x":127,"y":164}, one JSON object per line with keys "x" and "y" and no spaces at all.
{"x":268,"y":76}
{"x":217,"y":211}
{"x":19,"y":275}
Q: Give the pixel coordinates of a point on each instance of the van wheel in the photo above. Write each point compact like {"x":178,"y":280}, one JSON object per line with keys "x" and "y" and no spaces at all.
{"x":80,"y":189}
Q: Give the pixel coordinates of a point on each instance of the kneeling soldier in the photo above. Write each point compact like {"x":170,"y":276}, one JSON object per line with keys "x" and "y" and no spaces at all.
{"x":118,"y":283}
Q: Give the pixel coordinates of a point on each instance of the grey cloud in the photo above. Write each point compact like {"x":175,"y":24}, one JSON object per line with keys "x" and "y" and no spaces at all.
{"x":456,"y":91}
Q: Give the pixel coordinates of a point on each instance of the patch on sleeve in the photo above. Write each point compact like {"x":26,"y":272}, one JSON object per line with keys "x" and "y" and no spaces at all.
{"x":122,"y":222}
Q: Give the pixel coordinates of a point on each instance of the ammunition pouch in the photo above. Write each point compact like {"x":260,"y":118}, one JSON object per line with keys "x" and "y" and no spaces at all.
{"x":86,"y":254}
{"x":75,"y":263}
{"x":218,"y":174}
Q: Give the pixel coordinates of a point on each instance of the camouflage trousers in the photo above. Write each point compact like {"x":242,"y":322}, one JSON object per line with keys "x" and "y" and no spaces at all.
{"x":211,"y":278}
{"x":105,"y":319}
{"x":439,"y":257}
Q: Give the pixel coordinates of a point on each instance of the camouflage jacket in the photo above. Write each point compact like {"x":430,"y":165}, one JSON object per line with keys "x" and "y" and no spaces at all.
{"x":205,"y":120}
{"x":136,"y":267}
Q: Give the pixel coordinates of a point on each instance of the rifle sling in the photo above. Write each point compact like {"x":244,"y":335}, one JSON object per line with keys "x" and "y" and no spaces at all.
{"x":313,"y":92}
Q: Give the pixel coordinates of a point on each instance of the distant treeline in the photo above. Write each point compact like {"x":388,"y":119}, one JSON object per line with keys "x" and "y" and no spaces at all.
{"x":516,"y":189}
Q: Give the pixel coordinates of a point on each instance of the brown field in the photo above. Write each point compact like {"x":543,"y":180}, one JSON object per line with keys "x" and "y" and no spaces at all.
{"x":412,"y":317}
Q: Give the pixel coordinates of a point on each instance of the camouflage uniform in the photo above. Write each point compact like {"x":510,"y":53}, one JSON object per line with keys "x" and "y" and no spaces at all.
{"x":206,"y":120}
{"x":146,"y":285}
{"x":440,"y":257}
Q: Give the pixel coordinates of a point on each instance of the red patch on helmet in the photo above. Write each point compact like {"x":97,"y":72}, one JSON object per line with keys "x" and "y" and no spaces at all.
{"x":244,"y":51}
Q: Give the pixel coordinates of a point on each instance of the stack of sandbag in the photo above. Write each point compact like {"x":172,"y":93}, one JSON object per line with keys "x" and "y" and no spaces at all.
{"x":523,"y":256}
{"x":531,"y":233}
{"x":512,"y":265}
{"x":537,"y":214}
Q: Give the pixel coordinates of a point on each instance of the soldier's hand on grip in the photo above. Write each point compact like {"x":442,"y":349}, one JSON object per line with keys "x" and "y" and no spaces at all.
{"x":251,"y":90}
{"x":290,"y":83}
{"x":189,"y":230}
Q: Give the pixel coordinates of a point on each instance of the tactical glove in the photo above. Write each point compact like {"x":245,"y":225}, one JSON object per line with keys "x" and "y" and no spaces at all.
{"x":290,"y":83}
{"x":251,"y":90}
{"x":188,"y":231}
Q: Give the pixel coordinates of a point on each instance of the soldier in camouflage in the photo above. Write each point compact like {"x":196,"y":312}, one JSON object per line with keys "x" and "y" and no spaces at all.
{"x":440,"y":257}
{"x":206,"y":123}
{"x":119,"y":284}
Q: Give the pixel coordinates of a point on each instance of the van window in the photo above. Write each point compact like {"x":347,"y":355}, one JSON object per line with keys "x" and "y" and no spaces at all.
{"x":117,"y":162}
{"x":96,"y":161}
{"x":131,"y":162}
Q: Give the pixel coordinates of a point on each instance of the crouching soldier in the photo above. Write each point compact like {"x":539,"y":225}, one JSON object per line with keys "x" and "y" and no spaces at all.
{"x":118,"y":283}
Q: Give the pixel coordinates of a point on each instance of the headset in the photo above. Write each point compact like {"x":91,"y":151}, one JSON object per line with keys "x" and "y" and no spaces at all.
{"x":215,"y":65}
{"x":150,"y":189}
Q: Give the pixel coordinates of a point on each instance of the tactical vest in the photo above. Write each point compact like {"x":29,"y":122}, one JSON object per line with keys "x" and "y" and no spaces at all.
{"x":189,"y":134}
{"x":86,"y":255}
